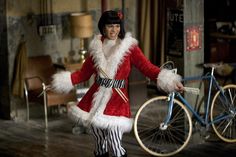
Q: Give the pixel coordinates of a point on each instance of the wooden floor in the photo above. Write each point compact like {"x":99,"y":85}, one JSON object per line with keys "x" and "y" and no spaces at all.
{"x":20,"y":139}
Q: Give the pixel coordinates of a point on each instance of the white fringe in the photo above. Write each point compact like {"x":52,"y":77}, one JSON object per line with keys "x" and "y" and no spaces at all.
{"x":102,"y":121}
{"x":167,"y":80}
{"x":61,"y":82}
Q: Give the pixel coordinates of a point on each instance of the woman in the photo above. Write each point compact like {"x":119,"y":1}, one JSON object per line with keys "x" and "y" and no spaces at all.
{"x":105,"y":107}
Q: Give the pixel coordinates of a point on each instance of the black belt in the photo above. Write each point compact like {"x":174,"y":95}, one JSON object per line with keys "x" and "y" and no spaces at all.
{"x":108,"y":83}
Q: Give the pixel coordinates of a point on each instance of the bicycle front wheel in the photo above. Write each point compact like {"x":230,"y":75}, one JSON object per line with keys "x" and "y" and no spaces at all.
{"x":223,"y":111}
{"x":150,"y":133}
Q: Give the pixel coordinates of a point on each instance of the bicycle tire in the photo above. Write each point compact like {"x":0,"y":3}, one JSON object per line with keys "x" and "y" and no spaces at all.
{"x":224,"y":106}
{"x":159,"y":142}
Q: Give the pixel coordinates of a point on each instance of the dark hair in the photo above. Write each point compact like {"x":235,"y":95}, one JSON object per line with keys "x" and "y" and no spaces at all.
{"x":112,"y":17}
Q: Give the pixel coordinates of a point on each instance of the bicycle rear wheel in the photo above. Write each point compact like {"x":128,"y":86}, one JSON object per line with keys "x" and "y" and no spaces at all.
{"x":223,"y":111}
{"x":153,"y":138}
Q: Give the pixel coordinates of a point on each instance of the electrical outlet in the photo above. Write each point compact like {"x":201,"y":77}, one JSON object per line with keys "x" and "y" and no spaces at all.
{"x":43,"y":30}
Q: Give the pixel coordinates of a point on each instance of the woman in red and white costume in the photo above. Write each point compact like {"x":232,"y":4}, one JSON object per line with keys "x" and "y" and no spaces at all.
{"x":105,"y":107}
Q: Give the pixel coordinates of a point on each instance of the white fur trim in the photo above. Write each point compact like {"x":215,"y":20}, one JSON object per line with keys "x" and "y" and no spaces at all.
{"x":61,"y":82}
{"x":111,"y":65}
{"x":100,"y":99}
{"x":167,"y":80}
{"x":101,"y":121}
{"x":102,"y":96}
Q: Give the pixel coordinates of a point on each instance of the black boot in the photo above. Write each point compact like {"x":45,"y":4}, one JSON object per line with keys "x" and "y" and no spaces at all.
{"x":103,"y":155}
{"x":125,"y":155}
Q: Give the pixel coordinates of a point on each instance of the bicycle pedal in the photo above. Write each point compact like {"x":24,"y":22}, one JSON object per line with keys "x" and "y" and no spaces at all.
{"x":206,"y":137}
{"x":192,"y":90}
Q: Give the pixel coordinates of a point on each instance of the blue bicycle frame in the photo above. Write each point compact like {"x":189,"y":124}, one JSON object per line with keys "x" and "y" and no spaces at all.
{"x":203,"y":120}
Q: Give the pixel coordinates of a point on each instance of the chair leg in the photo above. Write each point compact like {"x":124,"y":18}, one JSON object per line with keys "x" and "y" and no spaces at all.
{"x":46,"y":116}
{"x":27,"y":102}
{"x":45,"y":109}
{"x":27,"y":109}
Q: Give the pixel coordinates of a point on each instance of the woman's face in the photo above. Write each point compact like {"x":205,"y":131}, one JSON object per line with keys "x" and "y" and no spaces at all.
{"x":112,"y":31}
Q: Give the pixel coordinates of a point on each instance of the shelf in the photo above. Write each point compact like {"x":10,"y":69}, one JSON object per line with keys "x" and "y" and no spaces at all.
{"x":221,"y":35}
{"x":73,"y":66}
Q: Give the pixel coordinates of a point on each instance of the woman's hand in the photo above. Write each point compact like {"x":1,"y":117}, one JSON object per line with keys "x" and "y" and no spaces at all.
{"x":168,"y":81}
{"x":179,"y":87}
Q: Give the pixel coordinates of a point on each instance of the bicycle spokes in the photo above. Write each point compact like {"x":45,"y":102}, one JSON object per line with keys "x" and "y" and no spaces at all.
{"x":157,"y":138}
{"x":223,"y":111}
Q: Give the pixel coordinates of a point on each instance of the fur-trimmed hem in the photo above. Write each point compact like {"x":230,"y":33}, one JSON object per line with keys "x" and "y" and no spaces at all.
{"x":101,"y":121}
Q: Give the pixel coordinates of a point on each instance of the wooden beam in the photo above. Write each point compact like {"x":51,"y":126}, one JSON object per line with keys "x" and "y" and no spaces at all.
{"x":104,"y":5}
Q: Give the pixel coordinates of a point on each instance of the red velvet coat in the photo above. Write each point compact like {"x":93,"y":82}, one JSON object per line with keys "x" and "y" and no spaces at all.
{"x":103,"y":107}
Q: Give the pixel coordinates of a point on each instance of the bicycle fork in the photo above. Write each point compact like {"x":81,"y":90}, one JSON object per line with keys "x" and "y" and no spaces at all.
{"x":164,"y":125}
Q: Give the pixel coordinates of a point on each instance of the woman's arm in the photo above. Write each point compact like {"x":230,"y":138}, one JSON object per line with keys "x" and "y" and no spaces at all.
{"x":166,"y":79}
{"x":84,"y":73}
{"x":64,"y":81}
{"x":143,"y":64}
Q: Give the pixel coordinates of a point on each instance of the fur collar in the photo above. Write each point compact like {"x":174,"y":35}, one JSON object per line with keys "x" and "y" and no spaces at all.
{"x":101,"y":97}
{"x":110,"y":65}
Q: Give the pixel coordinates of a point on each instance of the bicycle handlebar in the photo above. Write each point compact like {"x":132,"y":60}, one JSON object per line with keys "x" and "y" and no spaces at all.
{"x":192,"y":90}
{"x":212,"y":65}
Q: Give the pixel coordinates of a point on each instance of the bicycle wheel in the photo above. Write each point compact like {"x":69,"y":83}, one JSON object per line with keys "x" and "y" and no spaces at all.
{"x":168,"y":65}
{"x":153,"y":138}
{"x":223,"y":111}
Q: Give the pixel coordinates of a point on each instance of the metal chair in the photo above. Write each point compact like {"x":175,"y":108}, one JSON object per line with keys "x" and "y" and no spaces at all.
{"x":36,"y":85}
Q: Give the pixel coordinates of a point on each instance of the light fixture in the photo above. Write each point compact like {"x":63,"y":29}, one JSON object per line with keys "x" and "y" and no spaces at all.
{"x":81,"y":27}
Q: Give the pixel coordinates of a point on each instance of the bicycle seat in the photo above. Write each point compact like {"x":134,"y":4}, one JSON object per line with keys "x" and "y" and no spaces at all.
{"x":212,"y":65}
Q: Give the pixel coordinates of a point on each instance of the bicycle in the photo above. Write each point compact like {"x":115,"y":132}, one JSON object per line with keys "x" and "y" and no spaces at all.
{"x":163,"y":124}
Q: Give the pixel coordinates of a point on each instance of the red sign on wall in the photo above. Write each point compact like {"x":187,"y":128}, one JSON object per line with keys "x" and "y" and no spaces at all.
{"x":194,"y":38}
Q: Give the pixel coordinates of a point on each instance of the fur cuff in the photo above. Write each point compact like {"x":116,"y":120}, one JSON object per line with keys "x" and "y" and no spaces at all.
{"x":167,"y":80}
{"x":61,"y":82}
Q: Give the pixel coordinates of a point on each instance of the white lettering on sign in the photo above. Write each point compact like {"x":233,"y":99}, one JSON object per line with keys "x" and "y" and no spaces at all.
{"x":176,"y":17}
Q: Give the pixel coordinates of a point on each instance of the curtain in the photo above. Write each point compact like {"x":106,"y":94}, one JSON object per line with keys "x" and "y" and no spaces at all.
{"x":19,"y":71}
{"x":151,"y":24}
